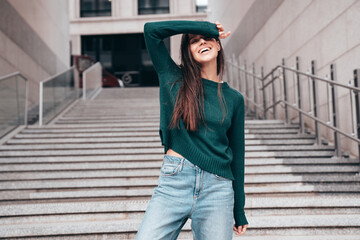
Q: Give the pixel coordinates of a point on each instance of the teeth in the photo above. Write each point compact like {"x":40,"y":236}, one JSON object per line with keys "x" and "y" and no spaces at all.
{"x":203,"y":50}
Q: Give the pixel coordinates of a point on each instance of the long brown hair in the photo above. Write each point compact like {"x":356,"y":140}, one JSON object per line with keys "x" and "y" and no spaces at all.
{"x":190,"y":97}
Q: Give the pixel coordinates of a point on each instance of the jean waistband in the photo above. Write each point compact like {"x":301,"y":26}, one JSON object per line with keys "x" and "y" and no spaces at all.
{"x":184,"y":161}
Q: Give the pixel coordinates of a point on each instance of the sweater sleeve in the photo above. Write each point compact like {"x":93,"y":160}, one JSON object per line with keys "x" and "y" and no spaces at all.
{"x":155,"y":32}
{"x":236,"y":135}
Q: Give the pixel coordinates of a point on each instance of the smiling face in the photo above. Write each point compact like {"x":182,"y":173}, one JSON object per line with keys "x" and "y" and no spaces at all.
{"x":204,"y":49}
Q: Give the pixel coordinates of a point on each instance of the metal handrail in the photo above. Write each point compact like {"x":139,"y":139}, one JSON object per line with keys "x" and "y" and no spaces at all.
{"x":26,"y":91}
{"x":295,"y":71}
{"x":312,"y":79}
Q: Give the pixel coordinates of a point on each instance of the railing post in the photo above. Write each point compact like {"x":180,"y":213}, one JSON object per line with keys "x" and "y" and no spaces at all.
{"x":357,"y":105}
{"x":273,"y":95}
{"x":239,"y":74}
{"x":316,"y":100}
{"x":84,"y":86}
{"x":285,"y":92}
{"x":246,"y":84}
{"x":17,"y":99}
{"x":26,"y":102}
{"x":233,"y":60}
{"x":335,"y":109}
{"x":301,"y":121}
{"x":227,"y":66}
{"x":41,"y":104}
{"x":263,"y":92}
{"x":254,"y":80}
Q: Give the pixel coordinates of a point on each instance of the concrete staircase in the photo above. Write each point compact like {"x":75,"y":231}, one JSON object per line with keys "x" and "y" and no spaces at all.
{"x":90,"y":175}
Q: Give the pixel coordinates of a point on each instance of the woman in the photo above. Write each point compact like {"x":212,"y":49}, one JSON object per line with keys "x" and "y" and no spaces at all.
{"x":202,"y":130}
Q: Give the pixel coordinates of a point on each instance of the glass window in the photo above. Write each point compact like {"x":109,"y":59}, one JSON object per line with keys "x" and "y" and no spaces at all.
{"x":153,"y":7}
{"x":95,"y":8}
{"x":201,"y":5}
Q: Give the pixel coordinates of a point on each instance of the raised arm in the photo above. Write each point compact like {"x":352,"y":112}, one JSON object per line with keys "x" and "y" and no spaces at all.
{"x":155,"y":32}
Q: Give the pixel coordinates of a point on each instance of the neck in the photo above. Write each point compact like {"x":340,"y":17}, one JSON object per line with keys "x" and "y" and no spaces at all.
{"x":209,"y":71}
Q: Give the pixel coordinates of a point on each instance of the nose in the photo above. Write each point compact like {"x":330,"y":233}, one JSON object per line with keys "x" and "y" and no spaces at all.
{"x":202,"y":41}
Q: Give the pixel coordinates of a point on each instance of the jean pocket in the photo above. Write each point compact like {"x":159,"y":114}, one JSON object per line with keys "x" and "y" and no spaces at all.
{"x":169,"y":169}
{"x":222,"y":178}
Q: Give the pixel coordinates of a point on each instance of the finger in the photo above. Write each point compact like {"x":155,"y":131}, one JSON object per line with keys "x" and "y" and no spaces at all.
{"x":239,"y":230}
{"x":222,"y":35}
{"x":243,"y":230}
{"x":234,"y":228}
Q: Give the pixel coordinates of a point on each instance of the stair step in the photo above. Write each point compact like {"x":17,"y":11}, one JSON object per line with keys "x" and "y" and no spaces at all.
{"x":258,"y":177}
{"x":82,"y":140}
{"x":80,"y":146}
{"x":272,"y":188}
{"x":284,"y":136}
{"x":252,"y":203}
{"x":153,"y":181}
{"x":57,"y":141}
{"x":89,"y":130}
{"x":133,"y":166}
{"x":138,"y":132}
{"x":59,"y":159}
{"x":107,"y":117}
{"x":135,"y":121}
{"x":125,"y":226}
{"x":152,"y":144}
{"x":150,"y":157}
{"x":138,"y":214}
{"x":153,"y":150}
{"x":303,"y":237}
{"x":296,"y":154}
{"x":76,"y":194}
{"x":89,"y":135}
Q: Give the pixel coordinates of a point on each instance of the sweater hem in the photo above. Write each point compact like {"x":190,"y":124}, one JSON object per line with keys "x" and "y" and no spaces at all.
{"x":198,"y":159}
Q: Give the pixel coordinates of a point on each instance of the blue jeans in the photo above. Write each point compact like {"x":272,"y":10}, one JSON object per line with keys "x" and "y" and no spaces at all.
{"x":186,"y":191}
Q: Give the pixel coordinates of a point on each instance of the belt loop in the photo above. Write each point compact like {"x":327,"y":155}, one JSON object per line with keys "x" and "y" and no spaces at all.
{"x":181,"y":164}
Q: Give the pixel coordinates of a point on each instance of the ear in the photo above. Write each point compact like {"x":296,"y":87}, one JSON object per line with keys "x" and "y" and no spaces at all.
{"x":218,"y":45}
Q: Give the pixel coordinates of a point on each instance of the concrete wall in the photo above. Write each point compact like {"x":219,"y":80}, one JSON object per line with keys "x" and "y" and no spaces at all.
{"x":125,"y":19}
{"x":34,"y":39}
{"x":264,"y":32}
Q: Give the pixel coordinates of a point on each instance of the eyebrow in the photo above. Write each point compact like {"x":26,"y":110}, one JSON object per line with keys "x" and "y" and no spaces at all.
{"x":195,"y":36}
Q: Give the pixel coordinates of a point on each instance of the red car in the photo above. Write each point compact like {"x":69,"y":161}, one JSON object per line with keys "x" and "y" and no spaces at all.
{"x":84,"y":62}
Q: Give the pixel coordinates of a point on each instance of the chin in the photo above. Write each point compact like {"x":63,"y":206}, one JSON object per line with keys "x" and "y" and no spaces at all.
{"x":206,"y":60}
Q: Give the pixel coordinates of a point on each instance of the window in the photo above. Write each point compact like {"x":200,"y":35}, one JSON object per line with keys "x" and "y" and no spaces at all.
{"x":201,"y":5}
{"x":153,"y":7}
{"x":95,"y":8}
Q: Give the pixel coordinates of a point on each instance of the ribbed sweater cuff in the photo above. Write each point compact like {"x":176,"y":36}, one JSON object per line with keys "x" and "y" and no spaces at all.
{"x":240,"y":219}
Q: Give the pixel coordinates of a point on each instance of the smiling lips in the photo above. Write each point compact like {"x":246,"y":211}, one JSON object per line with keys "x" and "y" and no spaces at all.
{"x":204,"y":50}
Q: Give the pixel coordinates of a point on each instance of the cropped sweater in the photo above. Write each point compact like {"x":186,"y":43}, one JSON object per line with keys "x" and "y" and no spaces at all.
{"x":218,"y":148}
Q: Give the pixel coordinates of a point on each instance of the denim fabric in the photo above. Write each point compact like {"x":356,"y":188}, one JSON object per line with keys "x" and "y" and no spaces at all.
{"x":186,"y":191}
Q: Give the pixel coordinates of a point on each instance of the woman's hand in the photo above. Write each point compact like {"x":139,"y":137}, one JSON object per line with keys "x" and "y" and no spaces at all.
{"x":240,"y":230}
{"x":222,"y":34}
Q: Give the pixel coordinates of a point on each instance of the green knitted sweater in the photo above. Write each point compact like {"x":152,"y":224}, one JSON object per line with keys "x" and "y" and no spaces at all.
{"x":219,"y":147}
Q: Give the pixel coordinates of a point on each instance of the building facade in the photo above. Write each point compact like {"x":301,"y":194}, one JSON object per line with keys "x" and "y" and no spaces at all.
{"x":112,"y":32}
{"x":34,"y":40}
{"x":265,"y":32}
